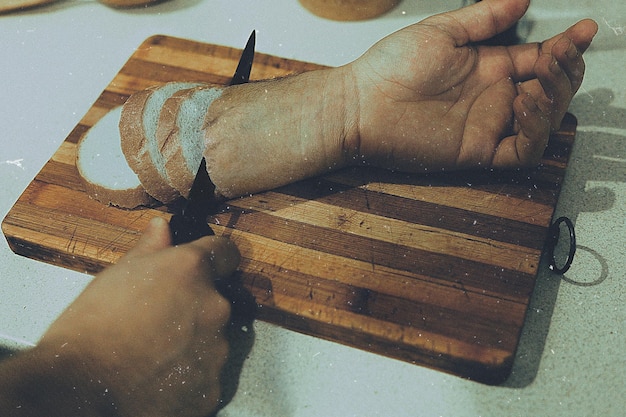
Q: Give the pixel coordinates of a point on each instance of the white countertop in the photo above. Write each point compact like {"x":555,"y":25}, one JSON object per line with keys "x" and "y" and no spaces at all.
{"x":55,"y":61}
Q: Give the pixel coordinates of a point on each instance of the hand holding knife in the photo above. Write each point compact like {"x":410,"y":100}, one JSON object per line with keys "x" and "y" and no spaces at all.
{"x":189,"y":223}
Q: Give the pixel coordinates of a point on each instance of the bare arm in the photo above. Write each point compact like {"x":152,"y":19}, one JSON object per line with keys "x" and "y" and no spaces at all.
{"x":48,"y":382}
{"x":144,"y":338}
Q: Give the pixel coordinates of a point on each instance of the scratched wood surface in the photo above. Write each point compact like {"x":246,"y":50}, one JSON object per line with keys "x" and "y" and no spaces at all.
{"x":435,"y":270}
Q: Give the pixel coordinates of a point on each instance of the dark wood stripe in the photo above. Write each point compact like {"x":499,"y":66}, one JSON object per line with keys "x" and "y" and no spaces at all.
{"x":61,"y":174}
{"x":471,"y":275}
{"x":110,"y":99}
{"x":45,"y":253}
{"x":315,"y":294}
{"x":77,"y":133}
{"x":524,"y":185}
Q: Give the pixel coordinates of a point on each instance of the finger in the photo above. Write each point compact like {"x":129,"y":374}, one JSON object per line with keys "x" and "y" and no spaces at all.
{"x":570,"y":60}
{"x":154,"y":238}
{"x":557,"y":89}
{"x":560,"y":73}
{"x":524,"y":56}
{"x":221,"y":253}
{"x":480,"y":21}
{"x":582,"y":34}
{"x":526,"y":148}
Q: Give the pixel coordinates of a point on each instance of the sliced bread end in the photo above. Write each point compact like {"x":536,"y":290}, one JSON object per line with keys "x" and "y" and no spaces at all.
{"x":103,"y":168}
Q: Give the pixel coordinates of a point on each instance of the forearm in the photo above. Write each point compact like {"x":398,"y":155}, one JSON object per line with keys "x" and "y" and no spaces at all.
{"x":41,"y":382}
{"x":266,"y":134}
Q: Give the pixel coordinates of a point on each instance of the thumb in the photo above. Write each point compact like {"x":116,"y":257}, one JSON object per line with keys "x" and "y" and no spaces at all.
{"x":154,"y":238}
{"x":481,"y":21}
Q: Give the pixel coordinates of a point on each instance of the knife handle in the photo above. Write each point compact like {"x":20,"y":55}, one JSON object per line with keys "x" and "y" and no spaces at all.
{"x":185,"y":229}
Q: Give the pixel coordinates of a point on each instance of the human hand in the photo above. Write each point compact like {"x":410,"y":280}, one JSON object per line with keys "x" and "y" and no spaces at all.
{"x":430,"y":98}
{"x":150,"y":329}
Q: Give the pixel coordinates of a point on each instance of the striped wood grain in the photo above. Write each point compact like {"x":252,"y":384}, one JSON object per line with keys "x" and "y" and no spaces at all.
{"x":431,"y":269}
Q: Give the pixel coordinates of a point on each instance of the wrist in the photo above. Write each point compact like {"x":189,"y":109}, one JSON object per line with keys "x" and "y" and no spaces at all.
{"x":342,"y":101}
{"x":329,"y":115}
{"x":350,"y":106}
{"x":52,"y":382}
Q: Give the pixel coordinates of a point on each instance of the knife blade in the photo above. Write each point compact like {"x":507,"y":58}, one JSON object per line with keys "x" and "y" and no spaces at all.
{"x":189,"y":223}
{"x":244,"y":67}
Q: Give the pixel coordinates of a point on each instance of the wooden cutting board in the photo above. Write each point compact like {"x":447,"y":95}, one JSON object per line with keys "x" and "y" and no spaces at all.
{"x":435,"y":270}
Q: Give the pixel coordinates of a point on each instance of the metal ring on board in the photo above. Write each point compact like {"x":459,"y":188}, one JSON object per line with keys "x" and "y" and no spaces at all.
{"x":554,"y":233}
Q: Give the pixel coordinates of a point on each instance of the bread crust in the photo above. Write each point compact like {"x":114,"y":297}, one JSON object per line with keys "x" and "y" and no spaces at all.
{"x":128,"y":198}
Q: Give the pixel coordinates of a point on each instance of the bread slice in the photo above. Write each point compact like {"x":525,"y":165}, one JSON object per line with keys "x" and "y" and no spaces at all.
{"x":103,"y":168}
{"x":180,"y":134}
{"x":138,"y":126}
